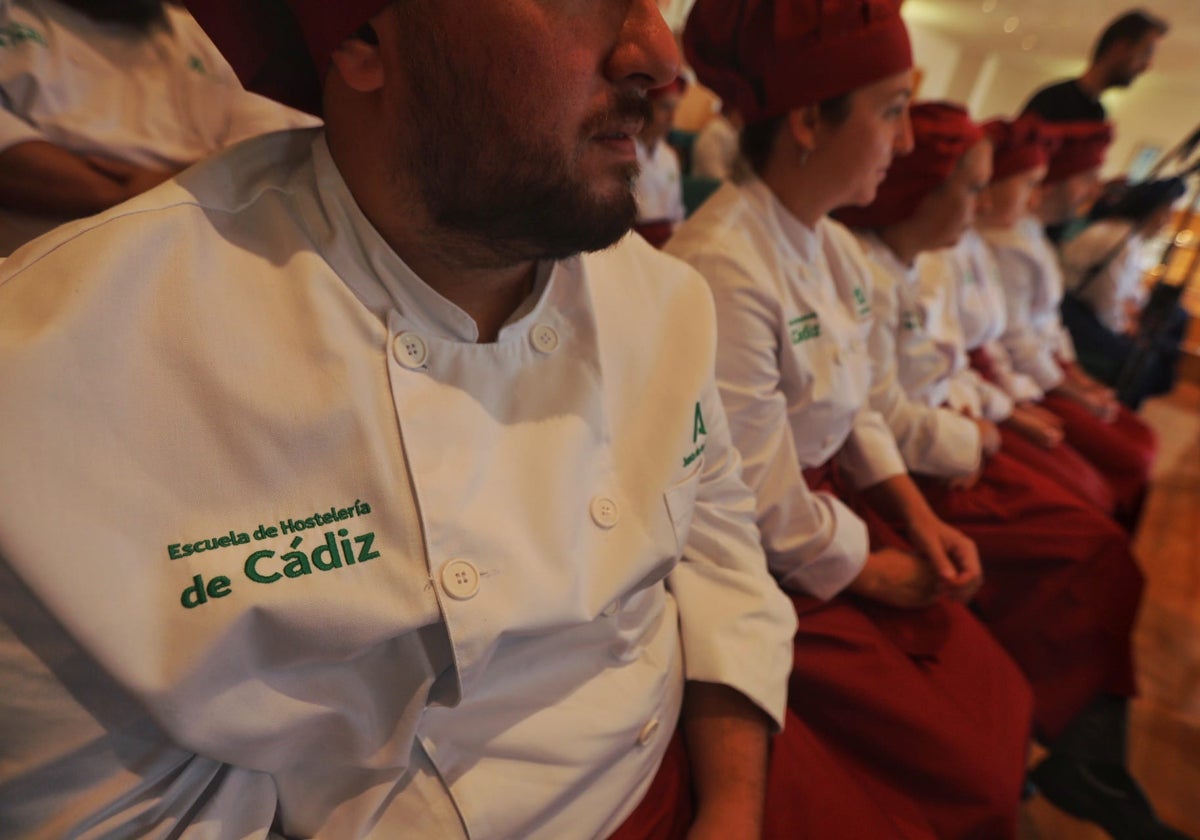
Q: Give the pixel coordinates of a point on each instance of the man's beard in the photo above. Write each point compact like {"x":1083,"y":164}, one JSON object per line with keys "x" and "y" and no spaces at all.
{"x":141,"y":14}
{"x":514,"y":197}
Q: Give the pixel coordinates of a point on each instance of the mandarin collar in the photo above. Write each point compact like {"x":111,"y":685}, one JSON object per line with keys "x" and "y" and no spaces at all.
{"x":803,"y":242}
{"x":377,"y":275}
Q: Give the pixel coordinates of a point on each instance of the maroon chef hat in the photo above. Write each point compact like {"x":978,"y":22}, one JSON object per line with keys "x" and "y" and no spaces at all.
{"x":767,"y":57}
{"x":942,"y":134}
{"x":281,"y":48}
{"x":1081,"y":146}
{"x":1019,"y":145}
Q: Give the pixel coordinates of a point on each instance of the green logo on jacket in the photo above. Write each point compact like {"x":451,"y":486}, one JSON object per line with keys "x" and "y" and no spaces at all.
{"x":698,"y":430}
{"x":19,"y":33}
{"x":804,"y":328}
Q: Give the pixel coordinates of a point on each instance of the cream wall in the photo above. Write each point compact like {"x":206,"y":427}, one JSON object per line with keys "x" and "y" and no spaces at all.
{"x":1158,"y":110}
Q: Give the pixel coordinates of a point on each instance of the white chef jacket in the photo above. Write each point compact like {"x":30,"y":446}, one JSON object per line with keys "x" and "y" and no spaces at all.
{"x":913,"y":370}
{"x":659,"y":186}
{"x":983,"y":315}
{"x":945,"y":280}
{"x":1119,"y":283}
{"x":324,"y":562}
{"x":1033,"y":289}
{"x":793,"y":315}
{"x":162,"y":100}
{"x":715,"y":149}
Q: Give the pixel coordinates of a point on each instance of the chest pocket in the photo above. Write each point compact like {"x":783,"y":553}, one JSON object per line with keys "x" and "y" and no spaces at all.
{"x":680,"y":500}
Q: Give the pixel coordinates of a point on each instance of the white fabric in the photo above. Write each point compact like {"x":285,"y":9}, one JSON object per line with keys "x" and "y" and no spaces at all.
{"x":913,"y":369}
{"x":240,"y":349}
{"x":659,"y":188}
{"x":945,"y":280}
{"x":1033,"y":288}
{"x":1118,"y":286}
{"x":162,"y":100}
{"x":983,"y":315}
{"x":793,"y":315}
{"x":715,"y":149}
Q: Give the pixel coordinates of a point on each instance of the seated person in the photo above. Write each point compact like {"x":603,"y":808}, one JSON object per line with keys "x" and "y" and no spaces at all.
{"x":1104,"y":271}
{"x":1094,"y":422}
{"x":101,"y":100}
{"x":659,"y":186}
{"x":1061,"y":588}
{"x":889,"y":665}
{"x":350,"y":491}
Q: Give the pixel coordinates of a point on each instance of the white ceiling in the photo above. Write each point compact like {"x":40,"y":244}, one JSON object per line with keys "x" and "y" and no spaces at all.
{"x":1061,"y":30}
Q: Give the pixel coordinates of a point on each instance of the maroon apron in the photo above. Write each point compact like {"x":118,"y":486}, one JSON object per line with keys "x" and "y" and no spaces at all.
{"x":810,"y":795}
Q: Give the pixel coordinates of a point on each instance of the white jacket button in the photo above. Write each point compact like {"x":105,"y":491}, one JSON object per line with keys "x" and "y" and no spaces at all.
{"x":605,"y":512}
{"x":460,"y":579}
{"x":647,"y":732}
{"x":410,"y":350}
{"x":544,"y":338}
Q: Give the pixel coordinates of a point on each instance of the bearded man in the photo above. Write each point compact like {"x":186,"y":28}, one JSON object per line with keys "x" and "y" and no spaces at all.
{"x":350,"y":487}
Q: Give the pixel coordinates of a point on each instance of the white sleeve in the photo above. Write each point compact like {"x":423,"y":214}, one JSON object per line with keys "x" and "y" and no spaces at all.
{"x":1026,"y":348}
{"x":80,"y":757}
{"x":813,"y":542}
{"x":870,"y":454}
{"x":735,"y":623}
{"x":933,"y":441}
{"x":1019,"y":387}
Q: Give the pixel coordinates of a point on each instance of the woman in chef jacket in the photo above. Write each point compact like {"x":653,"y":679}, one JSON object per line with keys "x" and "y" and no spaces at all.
{"x":962,"y":303}
{"x":1062,"y":588}
{"x":1120,"y":445}
{"x":889,"y":666}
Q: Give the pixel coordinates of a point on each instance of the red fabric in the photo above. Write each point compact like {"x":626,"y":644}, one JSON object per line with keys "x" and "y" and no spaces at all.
{"x":655,"y":232}
{"x":942,"y":133}
{"x":266,"y":41}
{"x":1065,"y":466}
{"x":1018,"y":145}
{"x":666,"y":811}
{"x":923,"y":705}
{"x":768,"y":57}
{"x":1081,"y":146}
{"x":1123,"y":451}
{"x":1061,"y":588}
{"x":810,"y":794}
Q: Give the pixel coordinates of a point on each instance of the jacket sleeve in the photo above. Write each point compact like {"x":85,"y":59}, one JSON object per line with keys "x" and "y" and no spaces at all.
{"x":1026,"y":348}
{"x":813,"y":542}
{"x":736,"y":624}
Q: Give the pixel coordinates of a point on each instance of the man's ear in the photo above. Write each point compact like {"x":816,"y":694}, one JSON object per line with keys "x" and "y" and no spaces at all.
{"x":359,"y":62}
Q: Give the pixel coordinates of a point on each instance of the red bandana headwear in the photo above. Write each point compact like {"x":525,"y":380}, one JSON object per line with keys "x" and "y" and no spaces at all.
{"x":281,"y":48}
{"x":1081,"y":146}
{"x":767,"y":57}
{"x":1019,"y":145}
{"x":942,"y":134}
